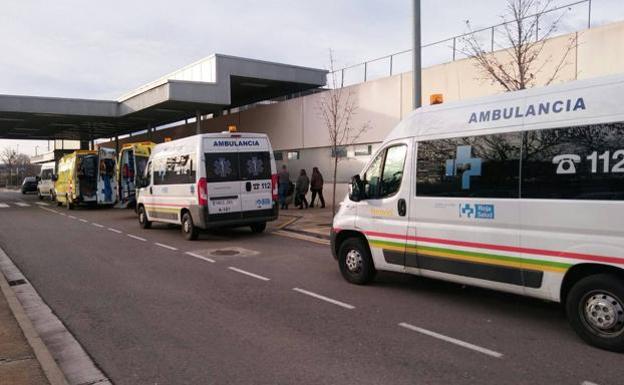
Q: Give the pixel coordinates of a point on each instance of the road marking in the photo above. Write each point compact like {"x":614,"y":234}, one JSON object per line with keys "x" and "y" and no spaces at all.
{"x":41,"y":203}
{"x":63,"y":214}
{"x":22,"y":204}
{"x":249,"y":274}
{"x":50,"y":210}
{"x":81,"y":220}
{"x":3,"y":206}
{"x":97,"y":225}
{"x":200,"y":257}
{"x":137,"y":238}
{"x":165,"y":246}
{"x":114,"y":230}
{"x":451,"y":340}
{"x":326,"y":299}
{"x":588,"y":383}
{"x":71,"y":217}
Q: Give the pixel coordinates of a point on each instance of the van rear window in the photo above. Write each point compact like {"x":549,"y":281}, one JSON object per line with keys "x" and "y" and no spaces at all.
{"x":228,"y":166}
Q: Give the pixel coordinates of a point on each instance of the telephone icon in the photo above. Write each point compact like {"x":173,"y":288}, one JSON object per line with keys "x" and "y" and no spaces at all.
{"x":566,"y":163}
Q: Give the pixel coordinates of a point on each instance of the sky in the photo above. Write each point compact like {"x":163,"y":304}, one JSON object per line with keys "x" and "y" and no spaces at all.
{"x":102,"y":49}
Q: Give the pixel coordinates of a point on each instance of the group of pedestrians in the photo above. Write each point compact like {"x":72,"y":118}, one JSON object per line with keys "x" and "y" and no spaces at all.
{"x":301,"y":188}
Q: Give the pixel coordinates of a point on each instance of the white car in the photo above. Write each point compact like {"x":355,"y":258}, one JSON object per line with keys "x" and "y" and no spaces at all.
{"x":45,"y":186}
{"x":209,"y":181}
{"x":521,"y":192}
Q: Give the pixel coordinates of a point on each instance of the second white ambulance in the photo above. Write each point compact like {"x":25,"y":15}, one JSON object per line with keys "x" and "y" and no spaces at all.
{"x":210,"y":180}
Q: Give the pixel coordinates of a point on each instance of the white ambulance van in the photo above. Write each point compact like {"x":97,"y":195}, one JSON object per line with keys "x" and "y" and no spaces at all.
{"x":45,"y":186}
{"x":210,"y":180}
{"x":521,"y":192}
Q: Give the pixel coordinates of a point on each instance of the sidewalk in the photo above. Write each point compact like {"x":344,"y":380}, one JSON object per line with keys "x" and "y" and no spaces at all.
{"x":18,"y":363}
{"x":312,"y":222}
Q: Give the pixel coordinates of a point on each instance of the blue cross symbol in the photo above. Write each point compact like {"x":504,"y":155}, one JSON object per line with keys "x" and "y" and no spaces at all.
{"x":465,"y":165}
{"x":466,"y":210}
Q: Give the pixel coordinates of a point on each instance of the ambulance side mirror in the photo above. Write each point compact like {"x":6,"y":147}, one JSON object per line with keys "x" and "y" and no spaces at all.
{"x":356,"y":189}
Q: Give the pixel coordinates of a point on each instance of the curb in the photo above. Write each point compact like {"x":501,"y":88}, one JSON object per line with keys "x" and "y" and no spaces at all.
{"x":50,"y":368}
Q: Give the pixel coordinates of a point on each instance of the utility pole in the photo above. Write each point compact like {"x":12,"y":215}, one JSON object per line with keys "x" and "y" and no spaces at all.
{"x":417,"y":64}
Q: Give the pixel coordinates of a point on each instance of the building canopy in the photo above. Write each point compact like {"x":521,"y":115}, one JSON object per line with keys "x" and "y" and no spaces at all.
{"x":211,"y":85}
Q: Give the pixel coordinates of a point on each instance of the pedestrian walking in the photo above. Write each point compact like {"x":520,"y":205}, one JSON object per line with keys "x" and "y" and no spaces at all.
{"x":283,"y":185}
{"x":316,"y":186}
{"x":303,"y":185}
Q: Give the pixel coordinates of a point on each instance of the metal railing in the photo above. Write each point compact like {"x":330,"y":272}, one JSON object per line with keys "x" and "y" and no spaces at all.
{"x":400,"y":62}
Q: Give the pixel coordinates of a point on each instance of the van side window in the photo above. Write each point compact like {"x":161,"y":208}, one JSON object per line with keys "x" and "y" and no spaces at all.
{"x":372,"y":177}
{"x":481,"y":166}
{"x":393,"y":170}
{"x":585,"y":162}
{"x":177,"y":169}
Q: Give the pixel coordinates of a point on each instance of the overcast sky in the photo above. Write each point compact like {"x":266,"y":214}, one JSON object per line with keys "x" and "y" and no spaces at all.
{"x":101,"y":49}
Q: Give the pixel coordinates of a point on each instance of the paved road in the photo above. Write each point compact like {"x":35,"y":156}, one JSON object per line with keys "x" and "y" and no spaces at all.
{"x":150,"y":313}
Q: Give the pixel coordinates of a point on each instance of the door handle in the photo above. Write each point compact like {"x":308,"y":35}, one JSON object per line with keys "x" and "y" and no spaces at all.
{"x":151,"y":190}
{"x":402,"y":207}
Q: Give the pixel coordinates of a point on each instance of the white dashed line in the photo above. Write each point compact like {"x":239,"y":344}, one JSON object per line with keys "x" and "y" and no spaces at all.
{"x":97,"y":225}
{"x":114,"y":230}
{"x":451,"y":340}
{"x":71,"y":217}
{"x":4,"y":206}
{"x":50,"y":210}
{"x":22,"y":204}
{"x":588,"y":383}
{"x":200,"y":257}
{"x":165,"y":246}
{"x":41,"y":203}
{"x":323,"y":298}
{"x":81,"y":220}
{"x":256,"y":276}
{"x":63,"y":214}
{"x":137,"y":238}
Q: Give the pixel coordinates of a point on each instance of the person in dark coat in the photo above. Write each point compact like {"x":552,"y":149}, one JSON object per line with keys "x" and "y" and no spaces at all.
{"x":283,"y":185}
{"x":316,"y":186}
{"x":303,"y":185}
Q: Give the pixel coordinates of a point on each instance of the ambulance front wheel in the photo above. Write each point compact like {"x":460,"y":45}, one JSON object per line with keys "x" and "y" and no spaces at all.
{"x":143,"y":221}
{"x":189,"y":230}
{"x":69,"y":205}
{"x":355,"y":261}
{"x":595,"y":309}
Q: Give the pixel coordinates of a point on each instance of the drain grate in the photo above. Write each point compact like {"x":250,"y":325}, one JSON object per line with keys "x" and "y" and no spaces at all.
{"x":225,"y":252}
{"x":17,"y":282}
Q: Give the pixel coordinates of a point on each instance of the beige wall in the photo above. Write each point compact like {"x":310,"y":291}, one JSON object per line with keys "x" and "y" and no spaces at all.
{"x":297,"y":123}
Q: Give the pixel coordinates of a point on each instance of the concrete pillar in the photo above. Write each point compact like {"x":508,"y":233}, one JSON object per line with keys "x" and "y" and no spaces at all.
{"x":198,"y":122}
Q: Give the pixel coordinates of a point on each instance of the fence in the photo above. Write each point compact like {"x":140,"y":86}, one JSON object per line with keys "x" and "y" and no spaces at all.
{"x":450,"y":49}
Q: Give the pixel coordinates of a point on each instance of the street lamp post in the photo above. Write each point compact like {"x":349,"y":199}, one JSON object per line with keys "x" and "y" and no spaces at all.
{"x":417,"y":65}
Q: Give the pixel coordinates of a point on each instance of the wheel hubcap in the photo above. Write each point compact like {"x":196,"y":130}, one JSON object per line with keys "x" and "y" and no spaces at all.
{"x":354,"y":261}
{"x":604,"y":313}
{"x":187,"y":226}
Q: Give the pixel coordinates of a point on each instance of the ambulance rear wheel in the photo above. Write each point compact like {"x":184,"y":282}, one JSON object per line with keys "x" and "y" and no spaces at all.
{"x":355,"y":261}
{"x":258,"y":227}
{"x":189,"y":230}
{"x":595,"y":309}
{"x":143,"y":221}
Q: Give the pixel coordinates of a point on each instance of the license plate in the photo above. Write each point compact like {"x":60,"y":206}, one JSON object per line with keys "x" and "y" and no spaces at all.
{"x":222,"y":205}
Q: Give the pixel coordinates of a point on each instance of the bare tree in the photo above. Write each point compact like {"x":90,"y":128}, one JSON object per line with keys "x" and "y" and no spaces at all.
{"x":9,"y":159}
{"x":524,"y":36}
{"x":337,"y":107}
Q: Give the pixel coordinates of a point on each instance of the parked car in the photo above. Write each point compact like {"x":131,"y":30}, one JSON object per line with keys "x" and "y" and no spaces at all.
{"x":29,"y":184}
{"x":45,"y":187}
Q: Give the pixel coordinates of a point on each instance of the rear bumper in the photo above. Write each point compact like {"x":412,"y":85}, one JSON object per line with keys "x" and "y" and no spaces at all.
{"x":203,"y":220}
